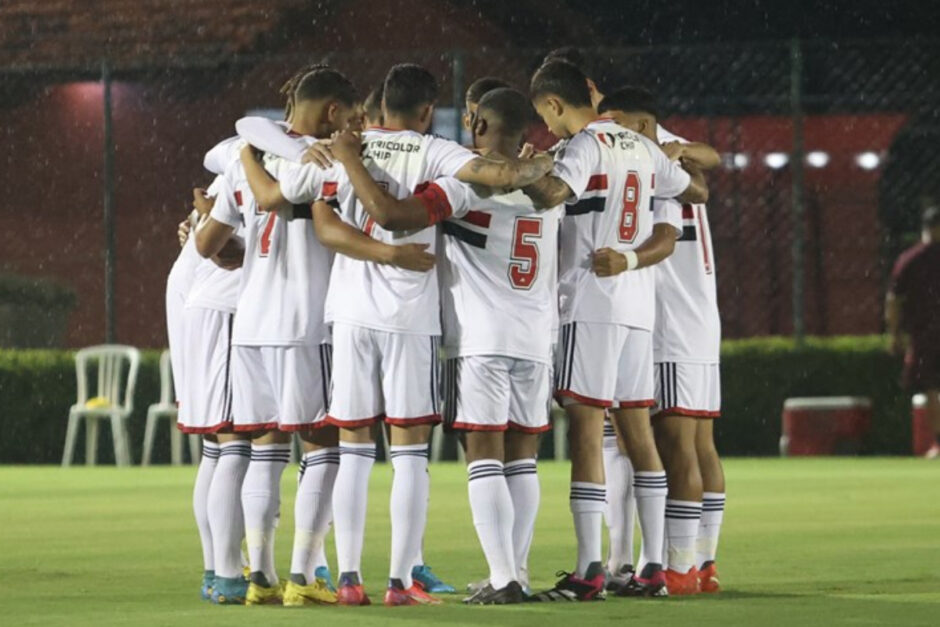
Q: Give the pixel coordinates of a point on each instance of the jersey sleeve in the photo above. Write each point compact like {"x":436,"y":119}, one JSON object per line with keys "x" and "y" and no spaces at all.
{"x":222,"y":154}
{"x":271,"y":137}
{"x":446,"y":157}
{"x":576,"y":162}
{"x":225,"y":209}
{"x":302,"y":184}
{"x":445,"y":198}
{"x":668,"y":212}
{"x":671,"y":179}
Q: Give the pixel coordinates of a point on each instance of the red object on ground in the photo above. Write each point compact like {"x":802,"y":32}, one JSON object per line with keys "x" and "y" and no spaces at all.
{"x":921,"y":432}
{"x":824,"y":426}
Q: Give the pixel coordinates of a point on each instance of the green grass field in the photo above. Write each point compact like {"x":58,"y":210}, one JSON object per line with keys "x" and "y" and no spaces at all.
{"x":805,"y":542}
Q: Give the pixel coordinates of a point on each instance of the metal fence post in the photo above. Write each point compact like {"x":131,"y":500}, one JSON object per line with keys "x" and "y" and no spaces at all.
{"x":108,"y":177}
{"x":797,"y":209}
{"x":457,"y":69}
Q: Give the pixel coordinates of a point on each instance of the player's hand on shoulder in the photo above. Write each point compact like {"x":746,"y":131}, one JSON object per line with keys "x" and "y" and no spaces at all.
{"x":608,"y":262}
{"x":673,"y":150}
{"x":320,"y":153}
{"x":412,"y":257}
{"x":346,"y":146}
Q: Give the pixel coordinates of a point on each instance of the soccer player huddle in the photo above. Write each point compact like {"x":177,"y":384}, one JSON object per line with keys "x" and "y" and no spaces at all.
{"x":347,"y":272}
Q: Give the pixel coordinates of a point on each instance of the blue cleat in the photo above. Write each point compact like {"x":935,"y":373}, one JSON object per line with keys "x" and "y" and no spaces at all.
{"x":208,"y":578}
{"x":423,"y":576}
{"x":323,"y":573}
{"x":227,"y":591}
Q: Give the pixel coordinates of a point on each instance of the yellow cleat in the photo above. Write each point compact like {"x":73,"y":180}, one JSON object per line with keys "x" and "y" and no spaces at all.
{"x":296,"y":595}
{"x":259,"y":595}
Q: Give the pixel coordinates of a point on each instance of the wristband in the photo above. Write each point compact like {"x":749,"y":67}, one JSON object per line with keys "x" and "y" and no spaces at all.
{"x":632,"y":260}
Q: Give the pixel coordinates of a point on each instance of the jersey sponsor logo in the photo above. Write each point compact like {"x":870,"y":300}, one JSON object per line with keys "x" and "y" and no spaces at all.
{"x":624,"y":140}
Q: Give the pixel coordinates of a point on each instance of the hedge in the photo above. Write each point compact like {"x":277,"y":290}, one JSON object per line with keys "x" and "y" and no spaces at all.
{"x":37,"y":387}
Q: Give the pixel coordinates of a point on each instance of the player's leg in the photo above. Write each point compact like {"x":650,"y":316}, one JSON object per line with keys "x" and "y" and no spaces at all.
{"x":620,"y":514}
{"x":631,"y":420}
{"x":355,"y":406}
{"x":226,"y":520}
{"x":410,"y":389}
{"x":207,"y":465}
{"x":713,"y":505}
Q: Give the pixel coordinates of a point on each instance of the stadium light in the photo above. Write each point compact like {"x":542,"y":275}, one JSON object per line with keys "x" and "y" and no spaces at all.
{"x":740,"y":160}
{"x":817,"y":158}
{"x":868,"y":160}
{"x":776,"y":160}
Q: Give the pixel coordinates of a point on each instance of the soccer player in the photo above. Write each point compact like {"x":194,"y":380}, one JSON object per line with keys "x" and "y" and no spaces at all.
{"x":608,"y":176}
{"x":385,"y":333}
{"x":686,"y":347}
{"x":913,"y":308}
{"x":372,"y":108}
{"x":475,"y":92}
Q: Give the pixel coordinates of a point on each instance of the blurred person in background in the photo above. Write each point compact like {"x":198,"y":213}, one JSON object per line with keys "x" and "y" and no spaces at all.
{"x":912,"y":316}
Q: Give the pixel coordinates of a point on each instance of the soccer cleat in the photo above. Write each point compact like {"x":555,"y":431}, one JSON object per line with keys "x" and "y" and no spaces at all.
{"x":316,"y":593}
{"x":618,"y":581}
{"x":430,"y":582}
{"x":652,"y":585}
{"x":229,"y":591}
{"x":682,"y":584}
{"x":397,"y":595}
{"x":323,"y":573}
{"x":350,"y":591}
{"x":708,"y":578}
{"x":512,"y":593}
{"x":205,"y":590}
{"x":264,"y":595}
{"x":475,"y":586}
{"x":571,"y":588}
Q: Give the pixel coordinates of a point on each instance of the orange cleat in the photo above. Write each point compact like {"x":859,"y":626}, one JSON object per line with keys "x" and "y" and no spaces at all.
{"x":350,"y":591}
{"x":682,"y":584}
{"x":397,"y":595}
{"x":708,"y":579}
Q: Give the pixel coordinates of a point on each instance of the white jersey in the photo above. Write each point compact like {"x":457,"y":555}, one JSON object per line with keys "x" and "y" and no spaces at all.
{"x":286,"y":269}
{"x":180,"y":279}
{"x":613,"y":174}
{"x":214,"y":287}
{"x":688,"y":327}
{"x":499,"y":294}
{"x":383,"y":297}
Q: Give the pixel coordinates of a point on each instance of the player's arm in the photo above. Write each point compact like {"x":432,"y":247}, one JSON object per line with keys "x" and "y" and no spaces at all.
{"x":608,"y":262}
{"x":264,"y":188}
{"x":270,"y":137}
{"x":698,"y":154}
{"x":212,"y":236}
{"x":492,"y":172}
{"x":350,"y":241}
{"x":547,"y":192}
{"x":697,"y":191}
{"x":894,"y":309}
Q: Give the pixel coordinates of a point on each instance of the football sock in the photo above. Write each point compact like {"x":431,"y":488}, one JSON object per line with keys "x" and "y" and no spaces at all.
{"x":226,"y":520}
{"x":650,"y":491}
{"x":682,"y":523}
{"x":313,"y":510}
{"x":493,"y":516}
{"x":350,"y":499}
{"x":408,"y":507}
{"x":621,"y":506}
{"x":261,"y":501}
{"x":524,"y":489}
{"x":713,"y":512}
{"x":207,"y":465}
{"x":587,"y":502}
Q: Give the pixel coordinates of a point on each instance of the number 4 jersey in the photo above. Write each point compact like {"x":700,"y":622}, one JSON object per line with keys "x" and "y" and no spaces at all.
{"x":613,"y":174}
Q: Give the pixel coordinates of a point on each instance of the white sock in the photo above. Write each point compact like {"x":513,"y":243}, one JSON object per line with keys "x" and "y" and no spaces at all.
{"x":587,"y":501}
{"x":621,"y":506}
{"x":682,"y":522}
{"x":408,"y":508}
{"x":226,"y":520}
{"x":261,"y":502}
{"x":419,"y":559}
{"x":650,"y":491}
{"x":313,"y":509}
{"x":319,"y":554}
{"x":713,"y":512}
{"x":493,"y":518}
{"x":524,"y":489}
{"x":210,"y":458}
{"x":350,"y":499}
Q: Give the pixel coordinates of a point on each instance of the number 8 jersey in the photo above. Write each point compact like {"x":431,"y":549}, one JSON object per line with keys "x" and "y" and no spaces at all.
{"x":613,"y":174}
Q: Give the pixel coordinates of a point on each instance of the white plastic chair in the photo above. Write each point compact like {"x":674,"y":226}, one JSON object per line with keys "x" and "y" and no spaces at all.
{"x":114,"y":400}
{"x":166,"y":408}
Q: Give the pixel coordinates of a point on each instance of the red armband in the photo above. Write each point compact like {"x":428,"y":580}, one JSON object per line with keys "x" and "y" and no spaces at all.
{"x":435,"y":201}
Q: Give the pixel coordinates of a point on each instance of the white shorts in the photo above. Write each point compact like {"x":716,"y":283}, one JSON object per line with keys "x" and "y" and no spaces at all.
{"x":206,"y":401}
{"x":493,"y":393}
{"x":280,"y":387}
{"x":604,"y":365}
{"x":688,"y":389}
{"x":379,"y":375}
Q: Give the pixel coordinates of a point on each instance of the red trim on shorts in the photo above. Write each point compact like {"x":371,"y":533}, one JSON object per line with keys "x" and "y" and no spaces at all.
{"x":221,"y":427}
{"x":689,"y":413}
{"x":307,"y":426}
{"x":582,"y":399}
{"x":430,"y":419}
{"x":466,"y":426}
{"x":261,"y":426}
{"x":523,"y":429}
{"x":636,"y":404}
{"x":352,"y":424}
